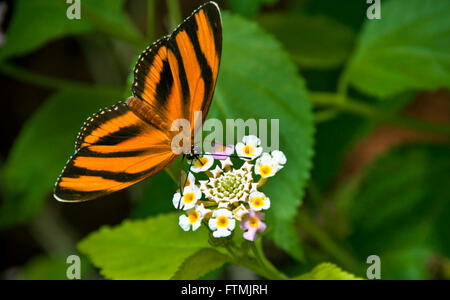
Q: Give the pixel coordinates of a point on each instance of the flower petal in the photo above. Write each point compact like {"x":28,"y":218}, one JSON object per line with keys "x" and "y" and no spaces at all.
{"x":184,"y":223}
{"x":176,"y":200}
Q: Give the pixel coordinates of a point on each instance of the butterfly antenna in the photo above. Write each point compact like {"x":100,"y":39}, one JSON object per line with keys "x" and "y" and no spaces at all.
{"x":200,"y":161}
{"x":217,"y":154}
{"x":226,"y":155}
{"x":181,"y":171}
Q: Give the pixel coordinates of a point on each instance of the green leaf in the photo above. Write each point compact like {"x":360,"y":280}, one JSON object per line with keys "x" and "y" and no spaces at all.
{"x":43,"y":146}
{"x":327,"y":271}
{"x":257,"y":80}
{"x":48,"y":21}
{"x":44,"y":268}
{"x":50,"y":268}
{"x":248,"y":8}
{"x":349,"y":12}
{"x":408,"y":49}
{"x":154,"y":196}
{"x":154,"y":248}
{"x":199,"y":264}
{"x":36,"y":22}
{"x":313,"y":41}
{"x":401,"y":211}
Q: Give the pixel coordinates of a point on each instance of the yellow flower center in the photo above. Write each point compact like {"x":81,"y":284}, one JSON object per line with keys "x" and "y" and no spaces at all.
{"x":193,"y":217}
{"x":254,"y":222}
{"x":188,"y":183}
{"x":188,"y":197}
{"x":265,"y":170}
{"x":258,"y":201}
{"x":249,"y":150}
{"x":222,"y":222}
{"x":199,"y":163}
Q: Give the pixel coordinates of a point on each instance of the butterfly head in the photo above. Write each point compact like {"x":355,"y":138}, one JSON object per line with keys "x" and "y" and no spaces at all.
{"x":192,"y":156}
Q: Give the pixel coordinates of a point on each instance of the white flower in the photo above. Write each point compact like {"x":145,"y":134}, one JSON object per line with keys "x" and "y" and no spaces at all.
{"x":226,"y":163}
{"x":190,"y":196}
{"x":258,"y":201}
{"x":249,"y":148}
{"x":223,"y":204}
{"x":239,"y":211}
{"x":187,"y":181}
{"x":268,"y":165}
{"x":202,"y":210}
{"x":202,"y":163}
{"x":265,"y":166}
{"x":216,"y":172}
{"x":230,"y":186}
{"x":279,"y":157}
{"x":194,"y":218}
{"x":229,"y":191}
{"x":222,"y":223}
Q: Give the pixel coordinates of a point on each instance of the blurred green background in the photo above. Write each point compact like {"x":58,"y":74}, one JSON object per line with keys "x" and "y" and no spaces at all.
{"x":366,"y":133}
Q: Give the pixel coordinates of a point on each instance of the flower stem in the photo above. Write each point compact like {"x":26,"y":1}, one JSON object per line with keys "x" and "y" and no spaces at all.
{"x":257,"y":262}
{"x":262,"y":181}
{"x":265,"y":263}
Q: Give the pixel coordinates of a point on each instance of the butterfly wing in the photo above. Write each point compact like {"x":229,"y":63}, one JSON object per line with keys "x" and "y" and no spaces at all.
{"x":125,"y":144}
{"x":114,"y":150}
{"x":176,"y":77}
{"x":194,"y":51}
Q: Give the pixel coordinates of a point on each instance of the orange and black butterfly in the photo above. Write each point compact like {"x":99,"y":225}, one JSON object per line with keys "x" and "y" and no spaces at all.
{"x":130,"y":141}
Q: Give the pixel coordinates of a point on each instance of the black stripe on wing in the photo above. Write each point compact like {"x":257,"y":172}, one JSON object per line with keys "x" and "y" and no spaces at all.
{"x":143,"y":65}
{"x":190,"y":26}
{"x":102,"y":117}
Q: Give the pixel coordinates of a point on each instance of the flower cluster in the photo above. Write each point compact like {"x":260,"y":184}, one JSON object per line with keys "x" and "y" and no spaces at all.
{"x":230,"y":193}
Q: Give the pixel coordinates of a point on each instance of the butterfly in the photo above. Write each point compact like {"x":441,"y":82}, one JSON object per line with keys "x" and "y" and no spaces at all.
{"x":130,"y":141}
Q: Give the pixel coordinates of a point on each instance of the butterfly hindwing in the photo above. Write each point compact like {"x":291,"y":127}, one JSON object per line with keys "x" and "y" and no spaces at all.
{"x":115,"y":149}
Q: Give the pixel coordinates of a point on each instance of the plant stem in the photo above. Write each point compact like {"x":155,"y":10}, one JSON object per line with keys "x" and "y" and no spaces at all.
{"x":342,"y":87}
{"x":258,"y":264}
{"x":52,"y":83}
{"x":52,"y":233}
{"x":129,"y":35}
{"x":265,"y":263}
{"x":327,"y":243}
{"x":367,"y":110}
{"x":174,"y":13}
{"x":151,"y":8}
{"x":325,"y":115}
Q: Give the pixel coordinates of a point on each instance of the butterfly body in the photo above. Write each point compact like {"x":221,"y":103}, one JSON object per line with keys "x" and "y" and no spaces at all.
{"x":173,"y":79}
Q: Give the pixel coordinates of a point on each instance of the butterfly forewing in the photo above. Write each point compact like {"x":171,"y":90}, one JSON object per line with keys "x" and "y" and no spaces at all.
{"x":177,"y":75}
{"x":194,"y":53}
{"x":125,"y":144}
